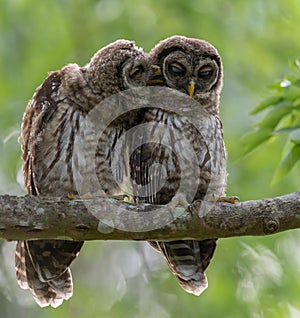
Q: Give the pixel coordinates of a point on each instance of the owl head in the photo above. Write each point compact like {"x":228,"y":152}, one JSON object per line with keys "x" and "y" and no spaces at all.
{"x":118,"y":66}
{"x":189,"y":65}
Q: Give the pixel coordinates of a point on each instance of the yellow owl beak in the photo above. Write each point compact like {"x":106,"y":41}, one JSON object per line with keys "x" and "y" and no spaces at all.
{"x":156,"y":70}
{"x":191,"y":88}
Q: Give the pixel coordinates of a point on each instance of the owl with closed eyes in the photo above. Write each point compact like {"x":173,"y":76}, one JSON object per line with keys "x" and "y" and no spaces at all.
{"x":194,"y":68}
{"x":52,"y":120}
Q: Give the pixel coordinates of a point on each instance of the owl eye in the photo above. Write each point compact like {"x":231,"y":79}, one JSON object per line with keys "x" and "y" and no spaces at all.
{"x":137,"y":72}
{"x":177,"y":69}
{"x":206,"y":72}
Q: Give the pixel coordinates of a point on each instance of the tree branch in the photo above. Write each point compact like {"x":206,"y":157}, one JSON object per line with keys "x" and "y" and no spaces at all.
{"x":31,"y":217}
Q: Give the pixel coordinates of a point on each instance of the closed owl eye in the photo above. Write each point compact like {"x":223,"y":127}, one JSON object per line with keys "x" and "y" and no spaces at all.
{"x":206,"y":72}
{"x":177,"y":69}
{"x":137,"y":72}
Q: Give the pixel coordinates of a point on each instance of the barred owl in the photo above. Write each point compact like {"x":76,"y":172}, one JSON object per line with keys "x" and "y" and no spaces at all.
{"x":193,"y":67}
{"x":51,"y":121}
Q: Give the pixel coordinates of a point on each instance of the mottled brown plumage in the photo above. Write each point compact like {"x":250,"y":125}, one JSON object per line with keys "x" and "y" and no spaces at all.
{"x":51,"y":122}
{"x":193,"y":67}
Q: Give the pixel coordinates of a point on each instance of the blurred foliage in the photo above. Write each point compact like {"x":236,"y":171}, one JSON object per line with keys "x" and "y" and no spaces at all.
{"x":248,"y":277}
{"x":283,"y":117}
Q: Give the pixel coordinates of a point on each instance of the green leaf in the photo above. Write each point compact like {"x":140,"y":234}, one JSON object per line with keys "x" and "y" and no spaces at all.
{"x":273,"y":100}
{"x":296,"y":102}
{"x":253,"y":139}
{"x":277,"y":86}
{"x":272,"y":118}
{"x":295,"y":63}
{"x":287,"y":163}
{"x":285,"y":130}
{"x":291,"y":93}
{"x":296,"y":82}
{"x":295,"y":136}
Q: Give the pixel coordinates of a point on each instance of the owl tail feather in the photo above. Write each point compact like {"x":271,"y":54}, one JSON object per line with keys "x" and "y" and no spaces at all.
{"x":188,"y":260}
{"x":54,"y":292}
{"x":50,"y":293}
{"x":194,"y":284}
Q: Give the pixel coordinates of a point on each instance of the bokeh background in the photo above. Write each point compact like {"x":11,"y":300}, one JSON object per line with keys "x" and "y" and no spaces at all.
{"x":249,"y":277}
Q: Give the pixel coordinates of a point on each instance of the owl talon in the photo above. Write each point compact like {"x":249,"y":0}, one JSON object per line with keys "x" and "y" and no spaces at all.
{"x":121,"y":197}
{"x":231,"y":199}
{"x":87,"y":196}
{"x":179,"y":205}
{"x":179,"y":199}
{"x":190,"y":209}
{"x":71,"y":196}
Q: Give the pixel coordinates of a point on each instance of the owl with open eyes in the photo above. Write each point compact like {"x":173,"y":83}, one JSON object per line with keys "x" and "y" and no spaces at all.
{"x":52,"y":120}
{"x":192,"y":67}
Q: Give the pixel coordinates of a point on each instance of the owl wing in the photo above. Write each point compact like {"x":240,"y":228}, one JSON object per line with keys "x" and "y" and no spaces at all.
{"x":38,"y":112}
{"x":42,"y":265}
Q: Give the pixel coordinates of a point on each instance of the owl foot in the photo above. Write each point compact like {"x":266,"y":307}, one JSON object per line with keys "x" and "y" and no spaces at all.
{"x":231,"y":199}
{"x":71,"y":196}
{"x":179,"y":205}
{"x":121,"y":197}
{"x":87,"y":196}
{"x":102,"y":194}
{"x":179,"y":200}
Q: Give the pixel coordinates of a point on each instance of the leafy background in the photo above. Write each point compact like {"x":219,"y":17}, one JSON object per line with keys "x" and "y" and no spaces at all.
{"x":258,"y":40}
